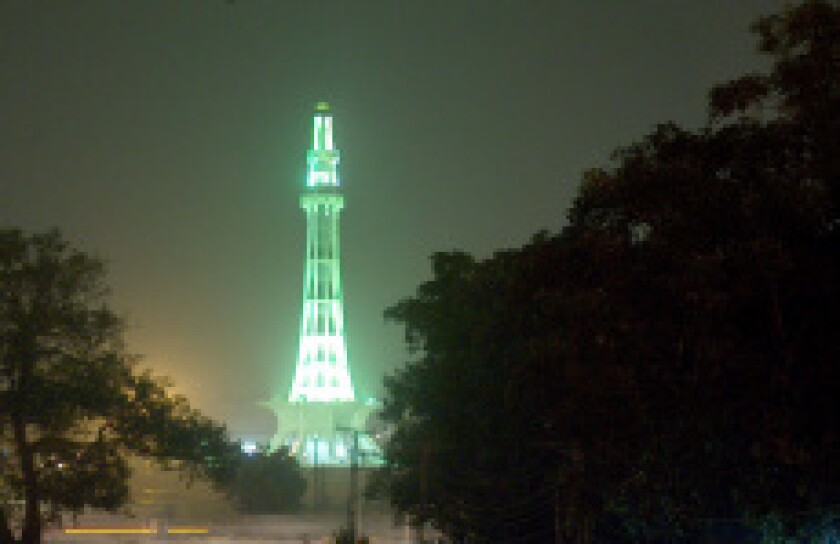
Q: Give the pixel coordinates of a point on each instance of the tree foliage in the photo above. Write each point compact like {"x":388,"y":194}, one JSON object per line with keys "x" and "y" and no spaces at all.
{"x":72,"y":406}
{"x":268,"y":482}
{"x":669,"y":357}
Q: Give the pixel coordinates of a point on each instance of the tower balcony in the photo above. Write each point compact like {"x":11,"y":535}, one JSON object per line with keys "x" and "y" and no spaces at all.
{"x":322,"y":196}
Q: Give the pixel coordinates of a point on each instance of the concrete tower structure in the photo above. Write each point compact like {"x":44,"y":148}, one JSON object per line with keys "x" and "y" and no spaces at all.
{"x":322,"y":374}
{"x":320,"y":419}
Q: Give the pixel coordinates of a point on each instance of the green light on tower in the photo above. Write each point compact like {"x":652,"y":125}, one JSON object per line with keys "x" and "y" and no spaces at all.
{"x":321,"y":404}
{"x":322,"y":373}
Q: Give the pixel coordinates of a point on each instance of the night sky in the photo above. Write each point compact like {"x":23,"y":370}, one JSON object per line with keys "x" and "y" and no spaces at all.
{"x":169,"y":138}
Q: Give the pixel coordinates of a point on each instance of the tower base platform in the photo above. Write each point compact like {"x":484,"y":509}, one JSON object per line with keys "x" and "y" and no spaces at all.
{"x":326,"y":433}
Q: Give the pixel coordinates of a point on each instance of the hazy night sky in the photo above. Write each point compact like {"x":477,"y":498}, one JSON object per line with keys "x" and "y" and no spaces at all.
{"x":169,"y":138}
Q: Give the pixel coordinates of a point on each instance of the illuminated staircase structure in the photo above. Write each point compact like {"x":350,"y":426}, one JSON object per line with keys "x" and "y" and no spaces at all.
{"x":318,"y":420}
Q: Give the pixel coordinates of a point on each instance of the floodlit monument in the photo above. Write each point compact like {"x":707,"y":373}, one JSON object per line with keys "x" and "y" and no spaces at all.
{"x":320,"y":420}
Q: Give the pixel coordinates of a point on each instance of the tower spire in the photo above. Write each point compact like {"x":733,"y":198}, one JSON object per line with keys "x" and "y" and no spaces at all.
{"x":322,"y":159}
{"x":321,"y":405}
{"x":322,"y":373}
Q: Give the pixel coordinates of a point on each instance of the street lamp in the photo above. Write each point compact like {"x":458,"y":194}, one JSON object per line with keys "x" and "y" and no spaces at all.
{"x":354,"y":481}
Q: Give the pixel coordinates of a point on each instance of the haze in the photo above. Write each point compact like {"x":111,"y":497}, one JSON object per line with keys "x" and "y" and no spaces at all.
{"x":170,"y":137}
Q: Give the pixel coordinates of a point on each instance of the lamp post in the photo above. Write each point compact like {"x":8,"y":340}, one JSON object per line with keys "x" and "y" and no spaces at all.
{"x":353,"y":496}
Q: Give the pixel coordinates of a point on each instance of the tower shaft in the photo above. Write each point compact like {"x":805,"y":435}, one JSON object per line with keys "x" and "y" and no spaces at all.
{"x":322,"y":373}
{"x":321,"y":408}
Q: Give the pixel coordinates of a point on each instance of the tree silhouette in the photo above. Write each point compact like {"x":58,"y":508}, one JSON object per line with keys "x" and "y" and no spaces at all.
{"x":669,"y":357}
{"x":72,"y":406}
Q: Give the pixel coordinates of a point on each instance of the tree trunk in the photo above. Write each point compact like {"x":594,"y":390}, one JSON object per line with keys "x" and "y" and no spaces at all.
{"x":5,"y":530}
{"x":31,"y":533}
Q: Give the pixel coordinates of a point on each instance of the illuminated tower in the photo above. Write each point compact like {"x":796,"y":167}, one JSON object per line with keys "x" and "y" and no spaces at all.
{"x":320,"y":420}
{"x":322,"y":374}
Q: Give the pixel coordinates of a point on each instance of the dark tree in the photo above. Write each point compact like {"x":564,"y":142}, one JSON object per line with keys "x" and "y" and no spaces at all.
{"x":670,"y":357}
{"x":268,"y":483}
{"x":72,"y":407}
{"x":508,"y":425}
{"x":733,"y":234}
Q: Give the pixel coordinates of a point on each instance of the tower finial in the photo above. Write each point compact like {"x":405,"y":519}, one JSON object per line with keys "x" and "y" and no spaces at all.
{"x":322,"y":158}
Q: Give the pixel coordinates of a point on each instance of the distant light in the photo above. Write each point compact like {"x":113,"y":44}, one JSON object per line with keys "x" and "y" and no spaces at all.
{"x":60,"y":466}
{"x":249,"y":448}
{"x":322,"y":106}
{"x":110,"y":531}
